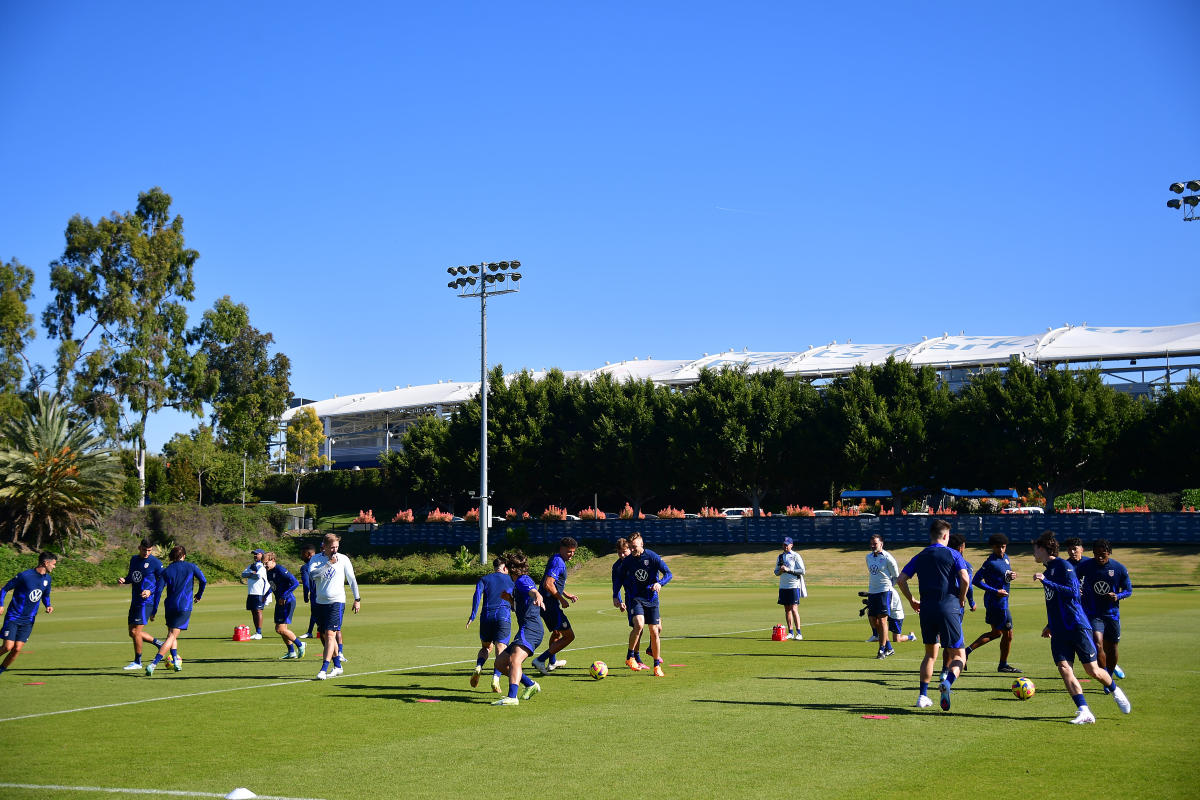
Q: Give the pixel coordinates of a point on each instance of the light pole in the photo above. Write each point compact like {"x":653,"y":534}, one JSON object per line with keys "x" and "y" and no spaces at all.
{"x":1191,"y":200}
{"x":484,"y":281}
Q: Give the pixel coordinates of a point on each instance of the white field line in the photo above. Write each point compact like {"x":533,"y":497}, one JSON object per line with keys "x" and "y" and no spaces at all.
{"x":159,"y":792}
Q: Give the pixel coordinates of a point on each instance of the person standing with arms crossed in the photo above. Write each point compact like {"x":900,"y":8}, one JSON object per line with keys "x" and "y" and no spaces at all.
{"x":257,"y":589}
{"x":330,"y":571}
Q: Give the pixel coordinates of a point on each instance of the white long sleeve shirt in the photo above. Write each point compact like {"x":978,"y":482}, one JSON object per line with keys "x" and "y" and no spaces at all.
{"x":787,"y":580}
{"x":882,"y":570}
{"x":329,"y":579}
{"x":256,"y":579}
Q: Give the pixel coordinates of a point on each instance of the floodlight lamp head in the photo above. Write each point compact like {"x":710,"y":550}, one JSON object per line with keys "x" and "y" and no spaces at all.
{"x":462,"y":270}
{"x":503,"y":265}
{"x":452,"y":284}
{"x":514,"y":264}
{"x":1193,"y":186}
{"x":1177,"y":187}
{"x":451,"y":270}
{"x":472,"y":281}
{"x":474,"y":269}
{"x":1192,"y":200}
{"x":516,"y":276}
{"x":493,"y":266}
{"x":1174,"y":202}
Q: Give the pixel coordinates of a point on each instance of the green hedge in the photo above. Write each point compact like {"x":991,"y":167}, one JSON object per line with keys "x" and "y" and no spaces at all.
{"x":1191,"y":498}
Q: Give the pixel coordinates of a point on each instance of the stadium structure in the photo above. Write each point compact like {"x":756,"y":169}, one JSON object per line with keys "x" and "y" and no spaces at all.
{"x":1137,"y":360}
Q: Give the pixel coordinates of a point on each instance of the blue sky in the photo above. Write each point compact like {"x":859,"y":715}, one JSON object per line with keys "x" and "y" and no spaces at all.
{"x":677,"y":178}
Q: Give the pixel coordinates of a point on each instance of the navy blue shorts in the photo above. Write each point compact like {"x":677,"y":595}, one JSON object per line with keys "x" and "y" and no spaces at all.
{"x":554,"y":617}
{"x":15,"y":631}
{"x":329,"y":616}
{"x":495,"y":630}
{"x":178,"y":619}
{"x":879,"y":604}
{"x":1064,"y":647}
{"x":896,"y":626}
{"x":941,"y":626}
{"x":528,"y":638}
{"x":1107,"y":627}
{"x":284,"y":611}
{"x":646,"y":609}
{"x":139,"y":612}
{"x":256,"y":602}
{"x":999,"y":618}
{"x":789,"y":597}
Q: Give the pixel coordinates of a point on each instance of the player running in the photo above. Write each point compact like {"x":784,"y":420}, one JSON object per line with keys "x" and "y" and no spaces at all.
{"x":1067,"y":628}
{"x":179,"y":578}
{"x":495,"y":624}
{"x":555,"y":597}
{"x":330,"y":571}
{"x":942,"y":576}
{"x":882,"y":570}
{"x":30,"y":587}
{"x":959,"y":543}
{"x":1105,"y":584}
{"x":528,"y":604}
{"x":634,"y":662}
{"x":995,"y":576}
{"x":283,"y":585}
{"x":645,"y":574}
{"x":146,"y":586}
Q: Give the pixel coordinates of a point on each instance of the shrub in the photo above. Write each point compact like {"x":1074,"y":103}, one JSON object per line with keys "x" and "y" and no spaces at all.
{"x":437,"y":515}
{"x":516,"y":537}
{"x":472,"y":515}
{"x":591,"y":514}
{"x":511,"y":514}
{"x":670,"y":513}
{"x":365,"y":517}
{"x":709,"y":512}
{"x":554,"y":514}
{"x":627,"y":513}
{"x":403,"y":516}
{"x":798,"y":511}
{"x":1191,"y":499}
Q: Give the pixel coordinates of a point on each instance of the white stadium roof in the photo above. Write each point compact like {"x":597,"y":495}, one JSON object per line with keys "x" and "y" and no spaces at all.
{"x":1056,"y":345}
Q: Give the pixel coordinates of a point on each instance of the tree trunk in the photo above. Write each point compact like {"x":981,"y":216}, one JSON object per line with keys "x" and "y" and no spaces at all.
{"x":141,"y":465}
{"x":199,"y":488}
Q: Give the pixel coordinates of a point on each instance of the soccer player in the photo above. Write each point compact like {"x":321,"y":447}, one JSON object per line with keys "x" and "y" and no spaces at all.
{"x":528,"y":604}
{"x":882,"y":570}
{"x":618,"y":583}
{"x":145,"y":582}
{"x":789,"y":566}
{"x":29,"y":588}
{"x":1068,"y":630}
{"x":994,"y":577}
{"x":555,"y":597}
{"x":942,"y":577}
{"x":959,"y":543}
{"x":257,"y":589}
{"x":645,"y":576}
{"x":1074,"y":550}
{"x":179,"y":578}
{"x":1105,"y":584}
{"x":283,"y":586}
{"x":330,"y":572}
{"x":495,"y":624}
{"x":310,"y":599}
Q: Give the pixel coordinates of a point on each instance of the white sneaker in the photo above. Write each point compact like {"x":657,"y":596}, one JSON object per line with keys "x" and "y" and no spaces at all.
{"x":342,"y":656}
{"x":496,"y":684}
{"x":304,"y":636}
{"x":799,"y":637}
{"x":178,"y":664}
{"x":256,"y":636}
{"x":912,"y":637}
{"x":1084,"y":717}
{"x":924,"y":702}
{"x":1121,"y":700}
{"x":322,"y":675}
{"x":333,"y":673}
{"x":562,"y":662}
{"x":874,"y":637}
{"x":132,"y":665}
{"x":507,"y":701}
{"x":789,"y":636}
{"x":540,"y":666}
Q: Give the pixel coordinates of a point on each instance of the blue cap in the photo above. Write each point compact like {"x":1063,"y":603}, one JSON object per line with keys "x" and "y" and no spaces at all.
{"x":256,"y":550}
{"x":787,"y":540}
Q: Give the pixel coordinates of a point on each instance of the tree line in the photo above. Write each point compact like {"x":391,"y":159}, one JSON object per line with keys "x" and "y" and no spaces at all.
{"x":738,"y":438}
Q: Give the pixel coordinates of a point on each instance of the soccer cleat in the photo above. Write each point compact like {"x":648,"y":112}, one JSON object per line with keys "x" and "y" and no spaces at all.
{"x":1007,"y":668}
{"x":944,"y":694}
{"x":1084,"y":717}
{"x":322,"y":675}
{"x":658,"y":671}
{"x":177,"y":664}
{"x":912,"y":637}
{"x":150,"y":671}
{"x":333,"y":673}
{"x":881,"y":654}
{"x":530,"y":690}
{"x":132,"y":665}
{"x":562,"y":662}
{"x":1121,"y":700}
{"x":799,"y":637}
{"x":256,"y":636}
{"x":889,"y":651}
{"x":304,"y":636}
{"x":633,"y":664}
{"x":507,"y":701}
{"x":789,"y":636}
{"x":496,"y":684}
{"x":342,"y":656}
{"x":924,"y":702}
{"x":874,"y":637}
{"x":1118,"y":672}
{"x":288,"y":655}
{"x":475,"y":678}
{"x":540,"y":666}
{"x":301,"y":649}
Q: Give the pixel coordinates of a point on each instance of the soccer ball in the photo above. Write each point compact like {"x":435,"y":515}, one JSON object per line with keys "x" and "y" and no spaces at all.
{"x":1023,"y":688}
{"x":599,"y":669}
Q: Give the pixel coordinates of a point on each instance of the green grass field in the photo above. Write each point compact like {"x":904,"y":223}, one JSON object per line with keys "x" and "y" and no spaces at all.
{"x":737,"y":715}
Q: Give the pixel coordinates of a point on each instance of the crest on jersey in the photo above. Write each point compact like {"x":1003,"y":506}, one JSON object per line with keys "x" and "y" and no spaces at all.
{"x":1112,"y":572}
{"x":641,"y":575}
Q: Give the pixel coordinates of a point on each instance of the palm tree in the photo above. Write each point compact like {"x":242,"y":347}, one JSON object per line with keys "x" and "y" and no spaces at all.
{"x":56,"y":476}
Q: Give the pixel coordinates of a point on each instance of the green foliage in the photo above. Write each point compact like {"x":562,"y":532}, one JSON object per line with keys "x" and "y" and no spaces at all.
{"x":119,"y":314}
{"x":1191,"y":498}
{"x":305,"y":436}
{"x":1163,"y":501}
{"x":463,"y":558}
{"x":1108,"y":501}
{"x":16,"y":330}
{"x":56,"y":476}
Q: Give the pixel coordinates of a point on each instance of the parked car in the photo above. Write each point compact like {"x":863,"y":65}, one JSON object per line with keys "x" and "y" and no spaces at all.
{"x":691,"y":516}
{"x":737,"y":512}
{"x":1023,"y":510}
{"x":824,"y":512}
{"x":571,"y":517}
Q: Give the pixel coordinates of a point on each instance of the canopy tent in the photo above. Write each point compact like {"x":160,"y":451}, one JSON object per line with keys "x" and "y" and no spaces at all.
{"x":1003,"y":494}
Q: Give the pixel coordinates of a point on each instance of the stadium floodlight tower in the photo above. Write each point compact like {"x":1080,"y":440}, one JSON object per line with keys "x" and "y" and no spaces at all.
{"x":484,"y":281}
{"x":1191,"y":201}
